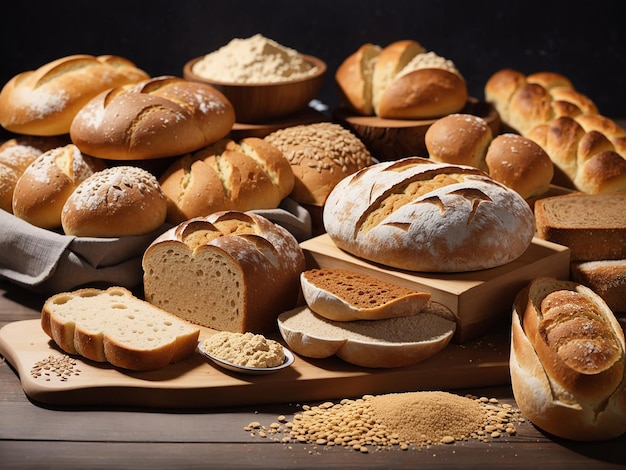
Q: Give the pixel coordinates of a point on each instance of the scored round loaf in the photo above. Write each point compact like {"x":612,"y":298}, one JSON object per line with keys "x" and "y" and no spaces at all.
{"x":420,"y":215}
{"x":115,"y":202}
{"x":567,"y":361}
{"x":460,"y":139}
{"x":159,"y":117}
{"x":520,"y":164}
{"x":354,"y":79}
{"x":44,"y":101}
{"x":43,"y":188}
{"x":227,"y":175}
{"x":321,"y":155}
{"x":230,"y":271}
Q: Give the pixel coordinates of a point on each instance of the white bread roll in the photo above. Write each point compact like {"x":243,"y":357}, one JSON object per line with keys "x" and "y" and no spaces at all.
{"x":567,"y":361}
{"x":420,"y":215}
{"x":155,"y":118}
{"x":228,"y":175}
{"x":115,"y":202}
{"x":45,"y":101}
{"x":43,"y":188}
{"x":116,"y":327}
{"x":230,"y":271}
{"x":388,"y":343}
{"x":344,"y":295}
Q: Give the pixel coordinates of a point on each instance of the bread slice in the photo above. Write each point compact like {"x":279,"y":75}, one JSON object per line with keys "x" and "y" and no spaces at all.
{"x":593,"y":226}
{"x":393,"y":342}
{"x":344,"y":295}
{"x":607,"y":278}
{"x":114,"y":326}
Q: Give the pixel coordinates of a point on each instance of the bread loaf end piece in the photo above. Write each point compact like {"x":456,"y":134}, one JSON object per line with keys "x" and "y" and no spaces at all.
{"x":354,"y":79}
{"x":114,"y":326}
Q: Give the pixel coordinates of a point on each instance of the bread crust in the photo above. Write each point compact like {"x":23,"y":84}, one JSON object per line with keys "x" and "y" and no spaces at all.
{"x":44,"y":102}
{"x":354,"y":79}
{"x":156,"y":118}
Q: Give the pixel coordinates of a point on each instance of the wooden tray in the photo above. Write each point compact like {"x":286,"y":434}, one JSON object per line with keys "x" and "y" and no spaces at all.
{"x":478,"y":298}
{"x":197,"y":383}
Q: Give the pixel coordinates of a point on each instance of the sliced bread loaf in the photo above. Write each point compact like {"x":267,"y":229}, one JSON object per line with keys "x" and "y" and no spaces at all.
{"x":593,"y":226}
{"x":393,"y":342}
{"x":114,"y":326}
{"x":344,"y":295}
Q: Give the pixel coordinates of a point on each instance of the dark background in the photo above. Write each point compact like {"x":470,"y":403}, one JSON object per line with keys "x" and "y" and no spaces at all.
{"x":586,"y":41}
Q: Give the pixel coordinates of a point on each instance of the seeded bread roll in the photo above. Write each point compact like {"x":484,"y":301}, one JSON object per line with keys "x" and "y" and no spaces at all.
{"x":44,"y":101}
{"x":321,"y":155}
{"x":115,"y":202}
{"x":343,"y":295}
{"x":567,"y":361}
{"x":45,"y":185}
{"x":230,"y":271}
{"x":228,"y":175}
{"x":420,"y":215}
{"x":155,"y":118}
{"x":388,"y":343}
{"x":116,"y":327}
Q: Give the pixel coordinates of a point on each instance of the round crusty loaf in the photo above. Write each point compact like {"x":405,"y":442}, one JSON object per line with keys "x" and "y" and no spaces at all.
{"x":228,"y":175}
{"x":420,"y":215}
{"x":159,"y":117}
{"x":321,"y":155}
{"x":345,"y":295}
{"x":115,"y":202}
{"x":460,"y":139}
{"x":520,"y":164}
{"x":388,"y":343}
{"x":45,"y":101}
{"x":567,"y":361}
{"x":230,"y":271}
{"x":45,"y":185}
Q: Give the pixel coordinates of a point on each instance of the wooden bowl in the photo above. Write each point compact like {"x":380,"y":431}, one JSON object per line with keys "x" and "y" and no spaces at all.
{"x":391,"y":139}
{"x":259,"y":102}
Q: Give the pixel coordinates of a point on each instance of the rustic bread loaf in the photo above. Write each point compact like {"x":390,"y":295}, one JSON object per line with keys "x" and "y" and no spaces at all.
{"x":45,"y":101}
{"x":42,"y":189}
{"x":567,"y":361}
{"x":116,"y":327}
{"x":420,"y":215}
{"x":607,"y":278}
{"x":227,"y":175}
{"x":230,"y":271}
{"x":345,"y":295}
{"x":388,"y":343}
{"x":115,"y":202}
{"x":400,"y":81}
{"x":593,"y":226}
{"x":16,"y":154}
{"x":159,"y":117}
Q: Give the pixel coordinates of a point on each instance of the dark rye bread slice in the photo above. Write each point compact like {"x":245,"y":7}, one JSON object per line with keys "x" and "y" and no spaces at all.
{"x":593,"y":226}
{"x":344,"y":295}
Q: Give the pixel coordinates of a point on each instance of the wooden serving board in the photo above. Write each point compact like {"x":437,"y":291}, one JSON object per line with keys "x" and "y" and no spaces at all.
{"x":477,"y":298}
{"x":198,"y":383}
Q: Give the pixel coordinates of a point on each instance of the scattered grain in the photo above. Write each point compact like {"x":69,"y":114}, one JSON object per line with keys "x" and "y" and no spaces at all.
{"x":61,"y":367}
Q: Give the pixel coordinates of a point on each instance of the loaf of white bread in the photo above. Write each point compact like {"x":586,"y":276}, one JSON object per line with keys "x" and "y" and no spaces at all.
{"x":400,"y":81}
{"x":587,"y":148}
{"x":230,"y":271}
{"x":567,"y":361}
{"x":420,"y":215}
{"x":114,"y":326}
{"x":43,"y":102}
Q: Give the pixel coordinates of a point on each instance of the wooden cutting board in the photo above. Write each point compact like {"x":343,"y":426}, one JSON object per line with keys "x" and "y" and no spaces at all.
{"x":477,"y":298}
{"x":198,"y":383}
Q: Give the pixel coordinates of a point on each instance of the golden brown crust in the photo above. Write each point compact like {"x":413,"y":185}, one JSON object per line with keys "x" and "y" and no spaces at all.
{"x":354,"y":79}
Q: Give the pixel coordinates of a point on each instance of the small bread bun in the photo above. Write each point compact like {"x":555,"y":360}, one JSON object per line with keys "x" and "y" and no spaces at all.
{"x":44,"y":101}
{"x":520,"y":164}
{"x":460,"y":139}
{"x":45,"y":185}
{"x":156,"y":118}
{"x":115,"y":202}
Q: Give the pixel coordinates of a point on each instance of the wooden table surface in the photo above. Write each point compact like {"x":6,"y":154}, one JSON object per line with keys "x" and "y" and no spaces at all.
{"x":33,"y":435}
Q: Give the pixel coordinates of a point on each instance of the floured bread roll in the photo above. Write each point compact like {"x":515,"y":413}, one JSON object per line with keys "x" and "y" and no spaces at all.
{"x":419,"y":215}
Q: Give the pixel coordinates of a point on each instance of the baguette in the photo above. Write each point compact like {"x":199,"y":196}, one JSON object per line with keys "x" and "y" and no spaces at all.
{"x":114,"y":326}
{"x":567,"y":361}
